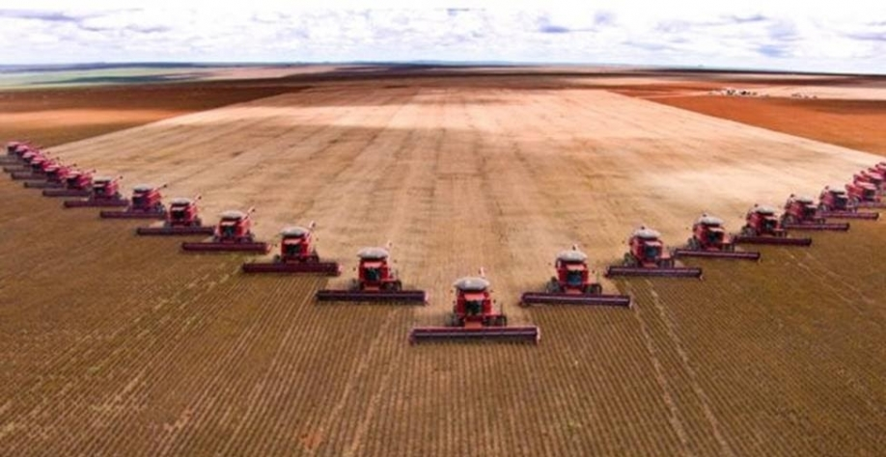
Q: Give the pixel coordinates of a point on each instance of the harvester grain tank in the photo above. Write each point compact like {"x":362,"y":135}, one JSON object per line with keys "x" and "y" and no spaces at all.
{"x":801,"y":213}
{"x":647,"y":257}
{"x":232,"y":234}
{"x":762,"y":226}
{"x":376,"y":281}
{"x":573,"y":285}
{"x":474,"y":317}
{"x":146,"y":203}
{"x":710,"y":240}
{"x":182,"y":219}
{"x":105,"y":193}
{"x":297,"y":255}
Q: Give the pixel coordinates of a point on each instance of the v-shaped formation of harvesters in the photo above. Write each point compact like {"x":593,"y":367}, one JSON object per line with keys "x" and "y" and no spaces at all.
{"x":474,"y":314}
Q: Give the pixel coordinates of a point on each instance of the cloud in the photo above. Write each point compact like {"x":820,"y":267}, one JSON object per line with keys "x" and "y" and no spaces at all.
{"x":811,"y":37}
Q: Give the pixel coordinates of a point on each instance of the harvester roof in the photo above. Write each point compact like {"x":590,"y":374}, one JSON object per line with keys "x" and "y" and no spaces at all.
{"x":143,"y":188}
{"x":471,"y":284}
{"x":572,"y":255}
{"x":233,"y":215}
{"x":765,"y":210}
{"x":646,"y":234}
{"x":373,"y":253}
{"x":102,"y":179}
{"x":806,"y":200}
{"x":866,"y":185}
{"x":181,"y":201}
{"x":710,"y":220}
{"x":836,"y":191}
{"x":294,"y":231}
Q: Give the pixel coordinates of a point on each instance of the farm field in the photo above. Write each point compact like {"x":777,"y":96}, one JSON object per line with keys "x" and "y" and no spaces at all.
{"x":119,"y":345}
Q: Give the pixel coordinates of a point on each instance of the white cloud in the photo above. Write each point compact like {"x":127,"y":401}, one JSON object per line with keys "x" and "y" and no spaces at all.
{"x":850,"y":36}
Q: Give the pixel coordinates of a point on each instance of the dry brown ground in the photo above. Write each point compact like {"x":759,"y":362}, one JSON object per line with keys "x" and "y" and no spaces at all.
{"x":123,"y":345}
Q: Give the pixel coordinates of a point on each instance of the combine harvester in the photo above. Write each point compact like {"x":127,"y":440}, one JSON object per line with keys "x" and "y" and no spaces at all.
{"x":181,"y":220}
{"x":24,"y":165}
{"x":297,"y":255}
{"x":77,"y":184}
{"x":835,"y":204}
{"x":376,"y":282}
{"x":572,"y":285}
{"x":55,"y":177}
{"x":647,"y":257}
{"x":864,"y":193}
{"x":105,"y":193}
{"x":14,"y":152}
{"x":710,"y":240}
{"x":146,"y":203}
{"x":37,"y":171}
{"x":474,"y":317}
{"x":762,"y":226}
{"x":232,"y":234}
{"x":801,"y":213}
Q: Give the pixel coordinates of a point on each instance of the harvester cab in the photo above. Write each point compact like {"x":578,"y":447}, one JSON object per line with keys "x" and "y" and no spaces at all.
{"x":760,"y":221}
{"x":297,"y":244}
{"x":862,"y":192}
{"x":573,"y":285}
{"x":872,"y":176}
{"x":146,"y":203}
{"x":474,"y":317}
{"x":376,"y":281}
{"x":234,"y":227}
{"x":833,"y":199}
{"x":374,"y":273}
{"x":232,"y":234}
{"x":297,"y":255}
{"x":801,"y":209}
{"x":147,"y":198}
{"x":106,"y":187}
{"x":709,"y":239}
{"x":647,"y":257}
{"x":183,"y":213}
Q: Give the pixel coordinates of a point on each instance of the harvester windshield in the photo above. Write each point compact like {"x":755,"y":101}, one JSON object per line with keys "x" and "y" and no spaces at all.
{"x":573,"y":277}
{"x":715,"y":236}
{"x":228,"y":230}
{"x":651,"y":251}
{"x":372,"y":273}
{"x":868,"y":193}
{"x":292,"y":247}
{"x":474,"y":304}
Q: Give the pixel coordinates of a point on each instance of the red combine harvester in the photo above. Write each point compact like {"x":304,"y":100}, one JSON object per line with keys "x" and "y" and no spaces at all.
{"x":146,"y":203}
{"x":181,"y":220}
{"x":36,"y":171}
{"x":762,"y":226}
{"x":24,"y":165}
{"x":475,"y":318}
{"x":873,"y":176}
{"x":232,"y":234}
{"x":709,"y":239}
{"x":572,"y":285}
{"x":376,"y":282}
{"x":834,"y":203}
{"x":801,"y":213}
{"x":56,"y":176}
{"x":105,"y":193}
{"x":297,"y":255}
{"x":864,"y":194}
{"x":14,"y":152}
{"x":648,"y":257}
{"x":77,"y":184}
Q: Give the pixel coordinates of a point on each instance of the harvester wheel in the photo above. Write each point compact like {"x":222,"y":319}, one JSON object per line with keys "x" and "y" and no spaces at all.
{"x":666,"y":263}
{"x":788,"y":219}
{"x":453,"y":321}
{"x":694,"y":244}
{"x":594,"y":289}
{"x":747,"y":230}
{"x":729,"y":247}
{"x":500,"y":321}
{"x":552,"y":286}
{"x":629,"y":260}
{"x":397,"y":285}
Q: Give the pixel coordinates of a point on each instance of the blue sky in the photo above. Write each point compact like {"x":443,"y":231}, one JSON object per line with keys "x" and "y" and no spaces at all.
{"x":846,"y":36}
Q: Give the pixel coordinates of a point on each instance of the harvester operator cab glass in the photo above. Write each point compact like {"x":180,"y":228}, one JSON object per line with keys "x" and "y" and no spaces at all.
{"x":177,"y":213}
{"x":228,"y":230}
{"x":292,"y":248}
{"x":650,"y":251}
{"x":868,"y":193}
{"x":573,"y":277}
{"x":372,"y":274}
{"x":473,"y":307}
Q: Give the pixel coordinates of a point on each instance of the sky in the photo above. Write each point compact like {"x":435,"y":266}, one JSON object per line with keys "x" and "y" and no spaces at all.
{"x":839,"y":36}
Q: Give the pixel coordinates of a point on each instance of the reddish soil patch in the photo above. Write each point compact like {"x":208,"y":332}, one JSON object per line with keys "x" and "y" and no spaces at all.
{"x":51,"y":117}
{"x":856,"y":124}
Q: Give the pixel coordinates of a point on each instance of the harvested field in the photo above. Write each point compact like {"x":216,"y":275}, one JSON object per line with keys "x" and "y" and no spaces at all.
{"x":124,"y":346}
